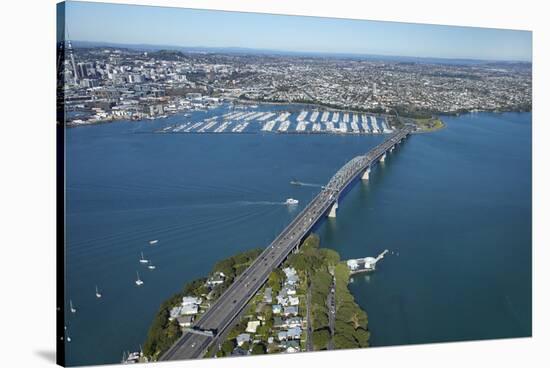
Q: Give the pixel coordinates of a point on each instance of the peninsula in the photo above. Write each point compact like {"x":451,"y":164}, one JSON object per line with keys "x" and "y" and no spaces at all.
{"x":304,"y":306}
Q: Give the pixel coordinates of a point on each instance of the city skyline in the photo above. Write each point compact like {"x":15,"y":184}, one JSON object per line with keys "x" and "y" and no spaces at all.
{"x":193,"y":28}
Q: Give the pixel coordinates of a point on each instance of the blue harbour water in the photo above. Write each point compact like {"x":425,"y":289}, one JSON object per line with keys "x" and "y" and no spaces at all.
{"x":454,"y":206}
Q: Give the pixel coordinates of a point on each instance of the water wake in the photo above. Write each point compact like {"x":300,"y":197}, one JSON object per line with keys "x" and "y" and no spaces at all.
{"x":302,"y":184}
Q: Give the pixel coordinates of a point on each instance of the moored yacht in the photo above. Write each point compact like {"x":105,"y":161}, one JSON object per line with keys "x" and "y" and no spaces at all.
{"x":142,"y":259}
{"x":139,"y":282}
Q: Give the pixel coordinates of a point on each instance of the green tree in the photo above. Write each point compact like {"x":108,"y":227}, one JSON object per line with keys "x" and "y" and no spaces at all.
{"x":320,"y":339}
{"x":258,"y":349}
{"x":228,"y":346}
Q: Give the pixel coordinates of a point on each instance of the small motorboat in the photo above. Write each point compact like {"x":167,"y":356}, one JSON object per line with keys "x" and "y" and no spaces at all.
{"x":291,"y":201}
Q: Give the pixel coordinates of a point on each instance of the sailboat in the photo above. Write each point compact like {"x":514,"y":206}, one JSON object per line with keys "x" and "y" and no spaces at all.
{"x":97,"y":293}
{"x":153,"y":242}
{"x":151,"y":266}
{"x":73,"y":309}
{"x":67,"y":337}
{"x":138,"y":281}
{"x":143,"y":260}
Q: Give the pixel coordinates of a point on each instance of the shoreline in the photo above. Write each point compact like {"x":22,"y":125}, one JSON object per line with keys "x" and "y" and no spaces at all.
{"x":313,"y":277}
{"x":297,"y":104}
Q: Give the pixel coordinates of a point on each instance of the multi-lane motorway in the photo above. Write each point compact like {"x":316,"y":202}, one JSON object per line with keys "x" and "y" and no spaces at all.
{"x":218,"y":318}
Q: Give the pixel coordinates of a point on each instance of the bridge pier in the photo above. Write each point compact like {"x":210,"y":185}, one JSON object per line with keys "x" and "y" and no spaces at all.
{"x":383,"y":158}
{"x":333,"y":209}
{"x":366,"y":174}
{"x":391,"y":149}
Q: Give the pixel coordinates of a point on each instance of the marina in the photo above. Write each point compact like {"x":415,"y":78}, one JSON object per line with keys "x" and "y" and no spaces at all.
{"x":284,"y":122}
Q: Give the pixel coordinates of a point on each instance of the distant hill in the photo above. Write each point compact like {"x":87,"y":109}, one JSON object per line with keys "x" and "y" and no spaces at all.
{"x":252,"y":51}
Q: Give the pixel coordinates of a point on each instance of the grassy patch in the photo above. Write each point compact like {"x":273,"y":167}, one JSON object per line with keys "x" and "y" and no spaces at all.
{"x":430,"y":124}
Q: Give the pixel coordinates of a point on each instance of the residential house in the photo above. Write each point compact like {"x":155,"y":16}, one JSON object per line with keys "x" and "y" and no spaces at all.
{"x":293,"y":322}
{"x":268,"y":295}
{"x":242,"y":338}
{"x":187,"y":300}
{"x":252,"y":326}
{"x":294,"y":333}
{"x":189,"y":309}
{"x":185,"y":321}
{"x":293,"y":300}
{"x":290,"y":311}
{"x":216,"y":279}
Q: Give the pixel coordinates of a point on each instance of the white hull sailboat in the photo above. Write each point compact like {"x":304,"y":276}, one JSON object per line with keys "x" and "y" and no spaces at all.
{"x":97,"y":293}
{"x":139,"y":282}
{"x":73,"y":309}
{"x":143,"y":260}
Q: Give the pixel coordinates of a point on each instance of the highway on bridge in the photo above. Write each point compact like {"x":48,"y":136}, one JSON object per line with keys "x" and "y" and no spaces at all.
{"x":218,"y":318}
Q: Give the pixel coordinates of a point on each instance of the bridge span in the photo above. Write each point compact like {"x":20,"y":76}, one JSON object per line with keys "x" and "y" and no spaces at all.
{"x":212,"y":325}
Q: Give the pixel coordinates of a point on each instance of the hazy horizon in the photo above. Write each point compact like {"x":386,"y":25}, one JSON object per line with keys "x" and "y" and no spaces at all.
{"x":193,"y":28}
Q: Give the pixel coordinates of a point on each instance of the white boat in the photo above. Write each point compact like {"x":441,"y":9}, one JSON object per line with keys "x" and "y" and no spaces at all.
{"x":291,"y":201}
{"x":67,"y":337}
{"x":73,"y":309}
{"x":138,"y":281}
{"x":97,"y":293}
{"x":131,"y":358}
{"x":151,"y":266}
{"x":143,"y":260}
{"x":153,"y":242}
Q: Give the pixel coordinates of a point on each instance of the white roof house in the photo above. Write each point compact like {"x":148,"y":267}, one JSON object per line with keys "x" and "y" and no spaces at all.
{"x":268,"y":295}
{"x":292,"y":347}
{"x":276,"y":308}
{"x":289,"y":271}
{"x":242,"y":338}
{"x":186,"y":300}
{"x":282,"y":300}
{"x":189,"y":309}
{"x":252,"y":326}
{"x":290,"y":311}
{"x":294,"y":333}
{"x":293,"y":300}
{"x":289,"y":290}
{"x":291,"y":275}
{"x":175,"y":312}
{"x":294,"y":322}
{"x":216,"y":279}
